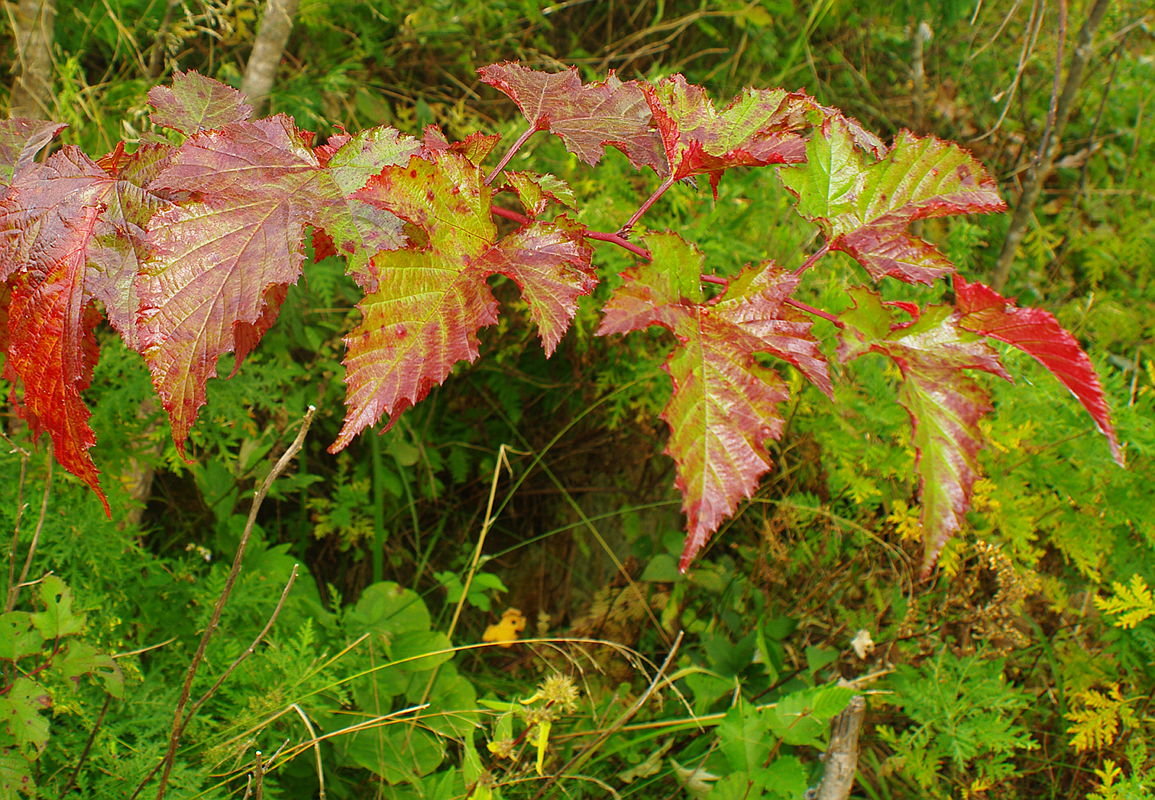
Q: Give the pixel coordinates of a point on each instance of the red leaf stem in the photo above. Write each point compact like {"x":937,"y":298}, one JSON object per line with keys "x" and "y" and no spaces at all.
{"x":513,"y":148}
{"x":520,"y":219}
{"x":817,"y":254}
{"x":620,"y":241}
{"x":818,"y":312}
{"x":716,"y":280}
{"x":612,"y":238}
{"x":661,"y":190}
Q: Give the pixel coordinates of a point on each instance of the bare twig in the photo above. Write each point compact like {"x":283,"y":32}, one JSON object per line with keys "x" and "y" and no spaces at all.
{"x":248,"y":651}
{"x":14,"y":588}
{"x":179,"y":721}
{"x":87,"y":747}
{"x":10,"y":594}
{"x":1057,"y":117}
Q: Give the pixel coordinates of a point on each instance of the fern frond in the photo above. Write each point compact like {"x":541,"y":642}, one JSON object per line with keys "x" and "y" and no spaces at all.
{"x":1135,"y":602}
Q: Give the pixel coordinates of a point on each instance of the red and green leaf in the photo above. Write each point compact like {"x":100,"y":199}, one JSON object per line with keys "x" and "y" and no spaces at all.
{"x":52,"y":350}
{"x":430,"y":301}
{"x":66,"y":231}
{"x":863,"y":205}
{"x":725,"y":403}
{"x":944,"y":405}
{"x":221,"y":262}
{"x":588,"y":117}
{"x":759,"y":127}
{"x":20,"y":140}
{"x":1037,"y":333}
{"x":194,"y":103}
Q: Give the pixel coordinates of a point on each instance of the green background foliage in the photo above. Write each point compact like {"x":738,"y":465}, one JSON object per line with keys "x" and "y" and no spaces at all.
{"x":1005,"y":675}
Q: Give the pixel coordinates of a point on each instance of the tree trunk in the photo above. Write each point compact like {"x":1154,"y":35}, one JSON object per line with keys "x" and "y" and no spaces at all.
{"x":842,"y":755}
{"x":1049,"y":148}
{"x":32,"y":28}
{"x":272,"y":36}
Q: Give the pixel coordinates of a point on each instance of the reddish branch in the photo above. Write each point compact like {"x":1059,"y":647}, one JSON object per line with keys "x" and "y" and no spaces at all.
{"x":521,"y":140}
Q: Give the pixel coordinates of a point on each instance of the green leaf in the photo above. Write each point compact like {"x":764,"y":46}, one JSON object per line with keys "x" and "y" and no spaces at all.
{"x":18,"y":636}
{"x":388,"y":609}
{"x":20,"y":713}
{"x":57,"y":619}
{"x":82,"y":658}
{"x":742,"y":737}
{"x":803,"y":718}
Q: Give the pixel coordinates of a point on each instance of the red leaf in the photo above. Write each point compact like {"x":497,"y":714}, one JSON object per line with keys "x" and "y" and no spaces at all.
{"x":944,"y":405}
{"x":725,"y":403}
{"x":864,"y":206}
{"x":587,"y":117}
{"x":195,"y":103}
{"x":429,"y":303}
{"x":67,"y":235}
{"x":759,"y":127}
{"x":551,"y":265}
{"x":1037,"y":333}
{"x":52,"y":351}
{"x":221,"y":262}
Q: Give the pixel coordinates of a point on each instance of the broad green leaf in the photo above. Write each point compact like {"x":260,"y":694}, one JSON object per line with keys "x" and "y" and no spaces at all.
{"x":57,"y":619}
{"x":388,"y":609}
{"x":21,"y":713}
{"x":82,"y":658}
{"x":743,"y":738}
{"x":18,"y":636}
{"x":803,"y":717}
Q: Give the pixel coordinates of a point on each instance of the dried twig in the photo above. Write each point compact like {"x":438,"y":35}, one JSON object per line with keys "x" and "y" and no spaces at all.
{"x":180,"y":721}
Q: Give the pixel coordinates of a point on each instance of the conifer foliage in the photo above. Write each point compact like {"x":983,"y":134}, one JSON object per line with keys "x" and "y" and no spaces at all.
{"x":188,"y":249}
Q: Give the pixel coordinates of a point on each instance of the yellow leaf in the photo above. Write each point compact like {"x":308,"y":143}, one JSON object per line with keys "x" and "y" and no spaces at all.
{"x":1097,"y":722}
{"x":506,"y":631}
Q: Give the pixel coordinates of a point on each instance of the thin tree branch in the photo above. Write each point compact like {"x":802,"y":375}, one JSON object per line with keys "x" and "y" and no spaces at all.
{"x":179,"y":721}
{"x":272,"y":36}
{"x":1049,"y":146}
